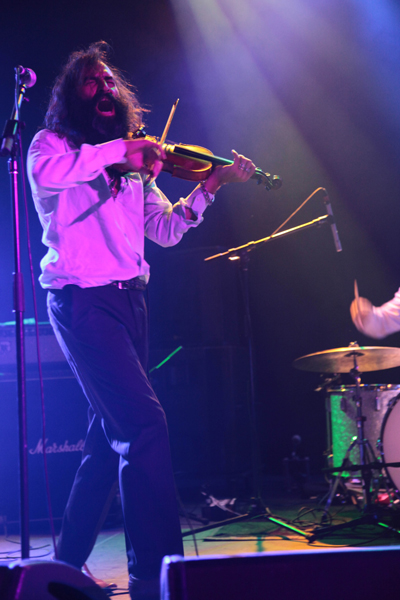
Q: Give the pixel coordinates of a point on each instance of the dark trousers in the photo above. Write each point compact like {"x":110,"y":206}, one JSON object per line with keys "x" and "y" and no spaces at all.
{"x":103,"y":333}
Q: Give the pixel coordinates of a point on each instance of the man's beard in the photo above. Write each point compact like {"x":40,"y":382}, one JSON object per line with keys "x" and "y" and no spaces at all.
{"x":94,"y":128}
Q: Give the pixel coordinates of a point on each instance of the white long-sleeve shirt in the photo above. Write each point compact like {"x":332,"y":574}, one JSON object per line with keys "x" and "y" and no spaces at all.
{"x":383,"y":320}
{"x":94,"y":239}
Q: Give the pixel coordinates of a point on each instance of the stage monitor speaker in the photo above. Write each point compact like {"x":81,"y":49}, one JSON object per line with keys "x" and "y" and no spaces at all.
{"x":66,"y":424}
{"x":367,"y":573}
{"x":45,"y":580}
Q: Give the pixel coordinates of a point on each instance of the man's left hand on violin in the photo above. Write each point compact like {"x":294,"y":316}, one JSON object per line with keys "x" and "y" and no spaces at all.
{"x":143,"y":156}
{"x":239,"y":171}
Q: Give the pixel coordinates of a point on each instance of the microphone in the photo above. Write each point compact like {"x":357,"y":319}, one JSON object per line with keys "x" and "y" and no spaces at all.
{"x":27,"y":77}
{"x":331,"y":219}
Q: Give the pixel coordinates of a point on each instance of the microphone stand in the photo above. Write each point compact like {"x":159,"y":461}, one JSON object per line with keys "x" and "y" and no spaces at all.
{"x":9,"y":148}
{"x":242,"y":253}
{"x":244,"y":263}
{"x":233,"y":253}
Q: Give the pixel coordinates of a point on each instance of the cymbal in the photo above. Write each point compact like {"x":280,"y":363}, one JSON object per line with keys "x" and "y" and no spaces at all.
{"x":341,"y":360}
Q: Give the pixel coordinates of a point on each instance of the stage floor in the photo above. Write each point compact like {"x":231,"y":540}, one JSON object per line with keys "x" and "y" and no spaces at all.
{"x":108,"y":561}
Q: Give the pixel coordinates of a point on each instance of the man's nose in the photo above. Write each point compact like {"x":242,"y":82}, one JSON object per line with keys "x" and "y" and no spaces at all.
{"x":104,"y":85}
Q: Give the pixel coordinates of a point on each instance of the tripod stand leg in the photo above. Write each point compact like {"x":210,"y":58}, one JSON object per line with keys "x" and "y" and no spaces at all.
{"x":369,"y":519}
{"x":369,"y":495}
{"x":370,"y":509}
{"x":246,"y":517}
{"x":338,"y":477}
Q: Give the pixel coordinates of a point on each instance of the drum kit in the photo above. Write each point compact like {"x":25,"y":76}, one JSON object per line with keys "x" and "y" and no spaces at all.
{"x":364,"y":415}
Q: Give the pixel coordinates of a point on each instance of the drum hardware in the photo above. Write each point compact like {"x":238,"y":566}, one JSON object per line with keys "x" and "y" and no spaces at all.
{"x":377,"y":401}
{"x":351,"y":359}
{"x":378,"y":465}
{"x":344,"y":494}
{"x":327,"y":382}
{"x":387,"y":443}
{"x":348,"y":466}
{"x":341,"y":360}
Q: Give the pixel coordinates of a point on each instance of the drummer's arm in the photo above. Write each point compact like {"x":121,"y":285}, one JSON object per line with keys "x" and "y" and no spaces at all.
{"x":376,"y":321}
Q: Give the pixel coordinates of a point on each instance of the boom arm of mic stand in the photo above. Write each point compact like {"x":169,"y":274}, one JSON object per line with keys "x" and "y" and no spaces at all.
{"x":251,"y":245}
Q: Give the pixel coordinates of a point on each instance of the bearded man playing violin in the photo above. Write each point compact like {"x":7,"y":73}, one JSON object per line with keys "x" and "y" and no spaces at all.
{"x":97,"y":199}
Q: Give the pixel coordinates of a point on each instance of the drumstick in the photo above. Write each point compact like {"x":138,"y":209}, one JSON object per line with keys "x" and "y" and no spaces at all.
{"x":357,"y":296}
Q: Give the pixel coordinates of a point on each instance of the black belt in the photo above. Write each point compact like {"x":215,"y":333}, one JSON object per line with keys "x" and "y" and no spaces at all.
{"x":136,"y":283}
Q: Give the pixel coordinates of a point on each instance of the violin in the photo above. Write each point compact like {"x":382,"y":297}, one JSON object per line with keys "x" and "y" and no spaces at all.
{"x":195,"y":163}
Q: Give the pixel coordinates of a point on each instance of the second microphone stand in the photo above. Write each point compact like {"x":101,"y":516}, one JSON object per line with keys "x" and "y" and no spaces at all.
{"x":242,"y":253}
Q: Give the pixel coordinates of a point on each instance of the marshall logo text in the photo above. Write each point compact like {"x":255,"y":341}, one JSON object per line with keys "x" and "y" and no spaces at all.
{"x":57,"y":448}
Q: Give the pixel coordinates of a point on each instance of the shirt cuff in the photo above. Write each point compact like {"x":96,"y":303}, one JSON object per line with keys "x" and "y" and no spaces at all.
{"x":197,"y":202}
{"x":113,"y":152}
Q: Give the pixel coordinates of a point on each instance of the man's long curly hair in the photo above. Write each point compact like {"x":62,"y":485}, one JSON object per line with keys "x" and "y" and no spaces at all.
{"x":72,"y":75}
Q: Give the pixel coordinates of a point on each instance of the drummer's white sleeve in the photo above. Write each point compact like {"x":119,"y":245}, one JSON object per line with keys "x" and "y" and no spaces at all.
{"x":383,"y":320}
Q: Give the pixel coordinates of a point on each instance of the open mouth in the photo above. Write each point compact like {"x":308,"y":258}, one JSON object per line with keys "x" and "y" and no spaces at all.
{"x":105,"y":107}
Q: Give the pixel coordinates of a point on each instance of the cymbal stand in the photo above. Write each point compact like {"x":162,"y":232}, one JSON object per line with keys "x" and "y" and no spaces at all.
{"x":366,"y":467}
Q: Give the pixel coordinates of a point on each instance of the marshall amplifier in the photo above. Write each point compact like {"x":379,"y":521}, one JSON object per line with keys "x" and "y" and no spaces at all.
{"x":50,"y":351}
{"x":66,"y":423}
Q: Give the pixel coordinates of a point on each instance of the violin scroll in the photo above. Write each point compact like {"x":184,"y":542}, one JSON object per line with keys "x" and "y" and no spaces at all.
{"x":271,"y":182}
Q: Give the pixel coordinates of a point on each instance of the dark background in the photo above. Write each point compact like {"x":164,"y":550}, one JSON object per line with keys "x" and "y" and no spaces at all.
{"x":308,"y":90}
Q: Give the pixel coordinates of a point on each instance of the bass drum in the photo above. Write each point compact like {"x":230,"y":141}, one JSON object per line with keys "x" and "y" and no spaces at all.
{"x":376,"y":400}
{"x":390,"y":440}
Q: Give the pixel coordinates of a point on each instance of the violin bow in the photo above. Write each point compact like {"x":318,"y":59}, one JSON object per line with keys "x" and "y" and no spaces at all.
{"x":169,"y":121}
{"x":165,"y":132}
